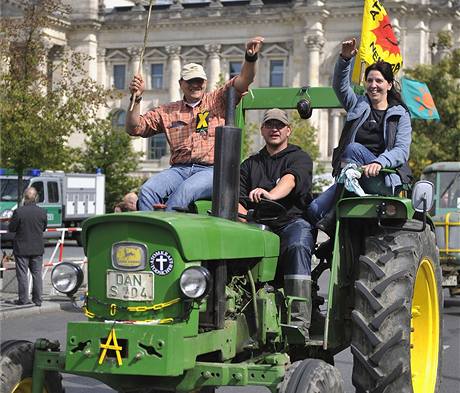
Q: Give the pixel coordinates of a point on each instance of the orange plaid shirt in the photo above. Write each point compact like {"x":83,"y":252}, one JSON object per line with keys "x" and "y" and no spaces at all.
{"x":190,"y":131}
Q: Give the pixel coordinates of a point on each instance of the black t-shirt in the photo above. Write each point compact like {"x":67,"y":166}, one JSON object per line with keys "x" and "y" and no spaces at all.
{"x":370,"y":134}
{"x":264,"y":171}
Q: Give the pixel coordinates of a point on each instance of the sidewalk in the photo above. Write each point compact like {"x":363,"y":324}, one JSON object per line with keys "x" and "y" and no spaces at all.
{"x":9,"y":310}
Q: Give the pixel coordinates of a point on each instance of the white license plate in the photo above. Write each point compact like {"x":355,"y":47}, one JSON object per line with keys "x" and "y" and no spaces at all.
{"x":136,"y":286}
{"x":450,"y":281}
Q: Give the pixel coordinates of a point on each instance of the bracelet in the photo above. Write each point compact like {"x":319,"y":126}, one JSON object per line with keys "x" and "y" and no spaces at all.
{"x":345,"y":58}
{"x":250,"y":58}
{"x":136,"y":100}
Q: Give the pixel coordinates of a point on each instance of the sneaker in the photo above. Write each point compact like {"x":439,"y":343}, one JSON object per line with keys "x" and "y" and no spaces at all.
{"x":38,"y":304}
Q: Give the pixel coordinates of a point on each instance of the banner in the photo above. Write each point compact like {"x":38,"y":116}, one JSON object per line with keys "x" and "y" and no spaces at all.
{"x":418,"y":99}
{"x":378,"y":41}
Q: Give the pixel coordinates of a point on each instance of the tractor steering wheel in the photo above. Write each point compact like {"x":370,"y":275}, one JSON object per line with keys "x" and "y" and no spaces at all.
{"x":264,"y":212}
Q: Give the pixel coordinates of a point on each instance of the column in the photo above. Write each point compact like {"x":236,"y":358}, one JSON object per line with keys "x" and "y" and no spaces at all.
{"x":89,"y":47}
{"x":135,"y":54}
{"x":44,"y":67}
{"x":335,"y":131}
{"x":214,"y":65}
{"x":176,"y":9}
{"x":174,"y":69}
{"x":215,"y":8}
{"x":314,"y":44}
{"x":101,"y":68}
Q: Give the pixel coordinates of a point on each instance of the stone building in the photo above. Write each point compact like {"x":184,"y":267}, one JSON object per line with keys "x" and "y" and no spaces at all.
{"x":302,"y":41}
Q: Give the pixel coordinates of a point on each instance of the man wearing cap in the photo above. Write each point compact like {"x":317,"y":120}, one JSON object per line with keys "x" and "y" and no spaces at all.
{"x":283,"y":173}
{"x":189,"y":126}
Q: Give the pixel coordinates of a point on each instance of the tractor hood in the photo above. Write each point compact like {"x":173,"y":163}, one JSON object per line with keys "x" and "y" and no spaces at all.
{"x":198,"y":237}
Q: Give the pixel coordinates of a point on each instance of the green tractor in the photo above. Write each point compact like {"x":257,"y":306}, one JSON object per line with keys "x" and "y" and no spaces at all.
{"x":446,"y":217}
{"x":184,"y":302}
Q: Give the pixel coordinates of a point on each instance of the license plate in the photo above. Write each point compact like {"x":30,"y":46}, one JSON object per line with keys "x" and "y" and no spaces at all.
{"x":450,"y":281}
{"x":137,"y":286}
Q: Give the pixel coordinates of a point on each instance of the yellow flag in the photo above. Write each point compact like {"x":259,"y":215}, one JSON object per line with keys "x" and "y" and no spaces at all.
{"x":378,"y":41}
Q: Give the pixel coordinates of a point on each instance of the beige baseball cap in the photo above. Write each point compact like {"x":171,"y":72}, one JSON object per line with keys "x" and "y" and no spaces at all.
{"x":276,"y":114}
{"x":193,"y":70}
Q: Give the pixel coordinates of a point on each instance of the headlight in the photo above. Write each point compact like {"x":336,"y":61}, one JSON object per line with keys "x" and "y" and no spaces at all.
{"x":195,"y":282}
{"x":6,"y":214}
{"x":66,"y":278}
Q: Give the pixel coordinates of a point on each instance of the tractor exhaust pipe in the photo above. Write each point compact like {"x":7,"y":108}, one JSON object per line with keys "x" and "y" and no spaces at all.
{"x":225,"y":195}
{"x":226,"y":181}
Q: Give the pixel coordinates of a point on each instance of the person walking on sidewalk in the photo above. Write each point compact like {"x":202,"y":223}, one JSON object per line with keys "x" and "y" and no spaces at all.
{"x":29,"y":222}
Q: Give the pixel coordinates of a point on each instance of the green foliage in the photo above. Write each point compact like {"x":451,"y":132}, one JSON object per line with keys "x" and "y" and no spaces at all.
{"x":304,"y":135}
{"x":39,"y":113}
{"x":438,"y":141}
{"x":109,"y":148}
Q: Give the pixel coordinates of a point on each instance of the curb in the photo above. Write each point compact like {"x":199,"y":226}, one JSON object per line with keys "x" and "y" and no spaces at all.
{"x":9,"y":311}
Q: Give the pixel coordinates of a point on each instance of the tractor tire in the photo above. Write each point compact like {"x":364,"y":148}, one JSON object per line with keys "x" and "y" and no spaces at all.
{"x":311,"y":376}
{"x":16,"y":366}
{"x":397,"y":318}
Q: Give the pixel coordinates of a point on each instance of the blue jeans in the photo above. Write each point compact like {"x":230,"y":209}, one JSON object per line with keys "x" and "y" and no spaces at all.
{"x":297,"y":240}
{"x":358,"y":154}
{"x":179,"y":185}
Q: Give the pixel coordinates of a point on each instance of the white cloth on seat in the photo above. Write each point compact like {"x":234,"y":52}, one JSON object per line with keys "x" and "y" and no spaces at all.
{"x":349,"y":176}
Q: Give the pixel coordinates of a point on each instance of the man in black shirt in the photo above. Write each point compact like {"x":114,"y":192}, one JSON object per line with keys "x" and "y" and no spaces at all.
{"x":283,"y":172}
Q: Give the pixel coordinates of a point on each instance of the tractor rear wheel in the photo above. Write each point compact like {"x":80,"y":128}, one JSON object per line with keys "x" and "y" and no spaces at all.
{"x":396,"y":340}
{"x":311,"y":375}
{"x":16,"y":366}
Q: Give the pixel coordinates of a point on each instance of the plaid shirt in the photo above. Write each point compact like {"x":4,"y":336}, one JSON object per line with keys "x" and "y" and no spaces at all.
{"x":190,"y":131}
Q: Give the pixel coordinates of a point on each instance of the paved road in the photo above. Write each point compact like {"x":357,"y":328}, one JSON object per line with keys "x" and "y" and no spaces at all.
{"x":52,"y":325}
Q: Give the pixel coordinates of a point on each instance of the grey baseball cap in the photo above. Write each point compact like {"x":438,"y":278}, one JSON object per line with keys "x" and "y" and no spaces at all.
{"x":276,"y":114}
{"x":191,"y":71}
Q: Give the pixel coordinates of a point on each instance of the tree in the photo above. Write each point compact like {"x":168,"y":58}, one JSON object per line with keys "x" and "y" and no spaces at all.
{"x":109,"y":148}
{"x":438,"y":141}
{"x":38,"y":113}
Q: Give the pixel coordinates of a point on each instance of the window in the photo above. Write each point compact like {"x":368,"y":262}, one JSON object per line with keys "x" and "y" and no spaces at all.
{"x":158,"y":147}
{"x":38,"y":185}
{"x":118,"y":119}
{"x":156,"y":73}
{"x":276,"y":73}
{"x":53,"y":192}
{"x":234,"y":68}
{"x":119,"y":75}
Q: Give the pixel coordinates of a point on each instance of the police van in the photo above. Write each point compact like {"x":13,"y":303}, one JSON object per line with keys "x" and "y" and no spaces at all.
{"x":68,"y":198}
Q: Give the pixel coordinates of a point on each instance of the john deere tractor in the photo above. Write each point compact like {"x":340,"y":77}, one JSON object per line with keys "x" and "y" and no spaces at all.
{"x":188,"y":301}
{"x":446,"y":217}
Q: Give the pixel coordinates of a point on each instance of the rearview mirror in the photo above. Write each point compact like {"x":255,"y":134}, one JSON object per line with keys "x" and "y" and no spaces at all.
{"x":422,"y":196}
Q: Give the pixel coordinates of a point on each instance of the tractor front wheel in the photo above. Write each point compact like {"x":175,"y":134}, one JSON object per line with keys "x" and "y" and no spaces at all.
{"x":311,"y":375}
{"x":16,"y":366}
{"x":396,"y":340}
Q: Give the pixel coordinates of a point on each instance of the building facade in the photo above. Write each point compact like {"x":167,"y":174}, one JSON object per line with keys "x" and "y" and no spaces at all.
{"x":302,"y":42}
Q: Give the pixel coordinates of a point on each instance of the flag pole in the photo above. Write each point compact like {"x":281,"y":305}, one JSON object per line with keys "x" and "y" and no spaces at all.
{"x":361,"y":72}
{"x":141,"y":60}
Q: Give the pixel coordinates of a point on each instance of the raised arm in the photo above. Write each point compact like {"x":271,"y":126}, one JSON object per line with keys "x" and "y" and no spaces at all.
{"x":136,"y":88}
{"x":248,"y":70}
{"x":341,"y":79}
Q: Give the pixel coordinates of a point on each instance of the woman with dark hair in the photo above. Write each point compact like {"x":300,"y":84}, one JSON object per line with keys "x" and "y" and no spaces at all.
{"x":376,"y":135}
